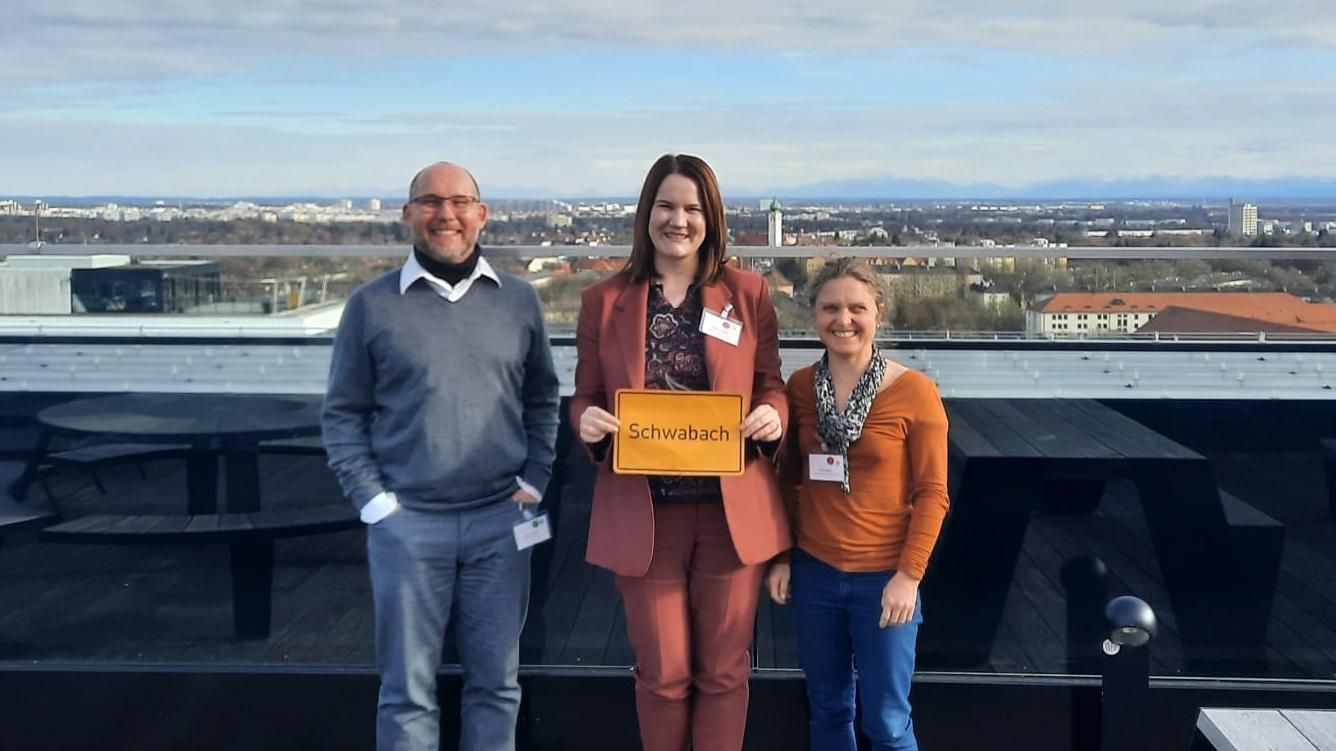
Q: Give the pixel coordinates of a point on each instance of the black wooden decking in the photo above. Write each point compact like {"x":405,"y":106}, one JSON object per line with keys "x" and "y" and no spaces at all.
{"x":170,"y":604}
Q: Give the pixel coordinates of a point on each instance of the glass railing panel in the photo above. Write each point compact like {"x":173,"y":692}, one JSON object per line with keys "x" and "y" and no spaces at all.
{"x":931,"y":292}
{"x":1246,"y":403}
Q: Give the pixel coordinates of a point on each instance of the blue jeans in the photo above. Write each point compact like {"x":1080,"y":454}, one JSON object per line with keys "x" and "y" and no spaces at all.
{"x":420,"y":562}
{"x":838,"y":621}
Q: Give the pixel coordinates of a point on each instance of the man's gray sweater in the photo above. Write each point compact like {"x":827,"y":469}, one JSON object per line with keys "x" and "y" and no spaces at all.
{"x":445,"y":404}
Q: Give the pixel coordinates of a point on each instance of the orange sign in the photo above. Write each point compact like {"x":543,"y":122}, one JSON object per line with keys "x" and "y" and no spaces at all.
{"x":678,"y":433}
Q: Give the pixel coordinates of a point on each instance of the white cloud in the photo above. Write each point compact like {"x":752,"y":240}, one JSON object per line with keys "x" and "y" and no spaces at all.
{"x":180,"y":96}
{"x":81,"y":39}
{"x":1127,"y":129}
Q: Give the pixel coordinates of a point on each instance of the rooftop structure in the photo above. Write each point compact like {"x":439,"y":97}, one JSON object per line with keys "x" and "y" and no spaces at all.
{"x":1104,"y":313}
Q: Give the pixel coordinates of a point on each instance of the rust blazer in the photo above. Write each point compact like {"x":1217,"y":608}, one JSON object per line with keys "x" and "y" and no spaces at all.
{"x":610,"y":342}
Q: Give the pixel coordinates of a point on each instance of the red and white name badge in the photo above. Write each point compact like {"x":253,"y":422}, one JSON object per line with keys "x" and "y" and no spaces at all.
{"x":720,"y":325}
{"x":825,"y":467}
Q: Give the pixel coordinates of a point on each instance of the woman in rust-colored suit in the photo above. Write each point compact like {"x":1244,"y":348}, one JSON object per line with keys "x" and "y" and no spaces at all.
{"x":688,"y":552}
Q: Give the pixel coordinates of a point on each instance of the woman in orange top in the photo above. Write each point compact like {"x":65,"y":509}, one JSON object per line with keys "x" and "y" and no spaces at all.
{"x":863,"y":472}
{"x":689,"y":552}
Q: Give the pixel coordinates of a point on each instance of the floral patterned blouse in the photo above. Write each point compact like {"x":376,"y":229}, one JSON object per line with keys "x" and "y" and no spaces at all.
{"x":675,"y":361}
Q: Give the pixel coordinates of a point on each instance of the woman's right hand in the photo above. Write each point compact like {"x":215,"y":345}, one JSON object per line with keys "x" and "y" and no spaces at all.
{"x":777,"y":581}
{"x":596,"y":423}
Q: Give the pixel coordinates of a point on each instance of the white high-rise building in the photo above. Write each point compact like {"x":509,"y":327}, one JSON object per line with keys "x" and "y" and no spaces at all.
{"x":373,"y":204}
{"x":1242,"y":219}
{"x":776,"y":224}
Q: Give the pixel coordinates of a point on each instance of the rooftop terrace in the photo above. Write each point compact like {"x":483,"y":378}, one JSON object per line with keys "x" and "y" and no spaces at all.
{"x":89,"y":621}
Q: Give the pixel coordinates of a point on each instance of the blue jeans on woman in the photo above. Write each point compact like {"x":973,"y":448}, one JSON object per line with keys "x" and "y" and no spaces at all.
{"x":838,"y":616}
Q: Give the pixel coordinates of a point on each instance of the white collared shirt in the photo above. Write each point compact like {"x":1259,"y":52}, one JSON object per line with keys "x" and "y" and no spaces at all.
{"x":413,"y":271}
{"x":387,"y":503}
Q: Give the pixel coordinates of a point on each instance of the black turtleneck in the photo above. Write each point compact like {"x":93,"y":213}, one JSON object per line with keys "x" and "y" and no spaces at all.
{"x":451,"y":273}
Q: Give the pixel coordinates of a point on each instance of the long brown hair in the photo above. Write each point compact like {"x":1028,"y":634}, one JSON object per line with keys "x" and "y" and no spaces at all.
{"x":640,"y":266}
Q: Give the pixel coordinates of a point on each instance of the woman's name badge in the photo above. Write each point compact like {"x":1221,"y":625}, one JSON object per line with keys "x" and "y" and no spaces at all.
{"x":720,"y":326}
{"x":825,"y":467}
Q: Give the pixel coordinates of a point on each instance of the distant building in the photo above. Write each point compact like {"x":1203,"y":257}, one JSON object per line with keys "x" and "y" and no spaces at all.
{"x":1242,"y":219}
{"x":602,"y":265}
{"x":105,"y":283}
{"x":1081,"y":314}
{"x":996,"y":263}
{"x":373,"y":204}
{"x":814,"y":263}
{"x":749,"y":239}
{"x":776,"y":224}
{"x":994,"y":301}
{"x":33,"y":285}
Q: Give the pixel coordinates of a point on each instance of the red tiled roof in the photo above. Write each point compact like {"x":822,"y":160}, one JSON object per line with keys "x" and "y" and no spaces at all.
{"x":599,"y":264}
{"x":1275,"y":307}
{"x":1187,"y":320}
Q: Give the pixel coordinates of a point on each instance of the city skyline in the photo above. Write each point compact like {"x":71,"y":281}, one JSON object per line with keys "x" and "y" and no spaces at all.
{"x":577,"y":97}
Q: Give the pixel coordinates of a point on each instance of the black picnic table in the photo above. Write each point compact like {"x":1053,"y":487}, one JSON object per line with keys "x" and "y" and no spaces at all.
{"x":229,"y":426}
{"x":212,"y":425}
{"x":1011,"y":457}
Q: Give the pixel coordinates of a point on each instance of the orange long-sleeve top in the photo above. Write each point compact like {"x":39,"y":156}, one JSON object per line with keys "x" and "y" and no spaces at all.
{"x":897,"y":479}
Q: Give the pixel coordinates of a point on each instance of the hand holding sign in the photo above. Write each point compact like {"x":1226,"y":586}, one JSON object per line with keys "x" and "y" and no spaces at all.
{"x":596,"y":423}
{"x":763,"y":424}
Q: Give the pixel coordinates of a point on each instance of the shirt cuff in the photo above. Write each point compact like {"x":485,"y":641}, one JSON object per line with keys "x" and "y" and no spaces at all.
{"x":379,"y":507}
{"x":531,"y":490}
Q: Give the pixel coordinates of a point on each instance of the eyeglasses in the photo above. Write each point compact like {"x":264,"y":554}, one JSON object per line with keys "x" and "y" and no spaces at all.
{"x":432,"y":202}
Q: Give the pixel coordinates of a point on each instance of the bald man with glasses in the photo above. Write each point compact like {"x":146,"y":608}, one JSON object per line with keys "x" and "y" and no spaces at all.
{"x":440,"y":421}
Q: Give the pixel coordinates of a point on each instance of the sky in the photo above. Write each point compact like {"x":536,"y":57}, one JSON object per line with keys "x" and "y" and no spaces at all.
{"x":215,"y":98}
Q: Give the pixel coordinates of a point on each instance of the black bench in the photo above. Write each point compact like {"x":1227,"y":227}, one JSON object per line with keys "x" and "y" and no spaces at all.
{"x":1328,"y":446}
{"x":16,"y":441}
{"x":1012,"y":457}
{"x":305,"y":446}
{"x":250,"y":535}
{"x":1259,"y":540}
{"x":15,"y":516}
{"x":90,"y":457}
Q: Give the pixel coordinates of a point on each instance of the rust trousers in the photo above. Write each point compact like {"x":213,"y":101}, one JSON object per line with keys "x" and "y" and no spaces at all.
{"x":690,"y":620}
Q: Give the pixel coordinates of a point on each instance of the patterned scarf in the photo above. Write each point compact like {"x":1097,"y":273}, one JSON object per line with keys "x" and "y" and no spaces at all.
{"x":840,"y":429}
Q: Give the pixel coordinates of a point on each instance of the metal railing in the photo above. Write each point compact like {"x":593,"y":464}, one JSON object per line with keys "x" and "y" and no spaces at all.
{"x":741,"y":251}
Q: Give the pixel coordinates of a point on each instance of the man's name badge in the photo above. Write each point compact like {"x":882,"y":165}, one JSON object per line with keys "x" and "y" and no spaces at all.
{"x":825,"y":467}
{"x":720,"y":325}
{"x":532,"y":530}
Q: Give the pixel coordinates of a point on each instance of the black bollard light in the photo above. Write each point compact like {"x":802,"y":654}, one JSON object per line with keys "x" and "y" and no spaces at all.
{"x":1126,"y":685}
